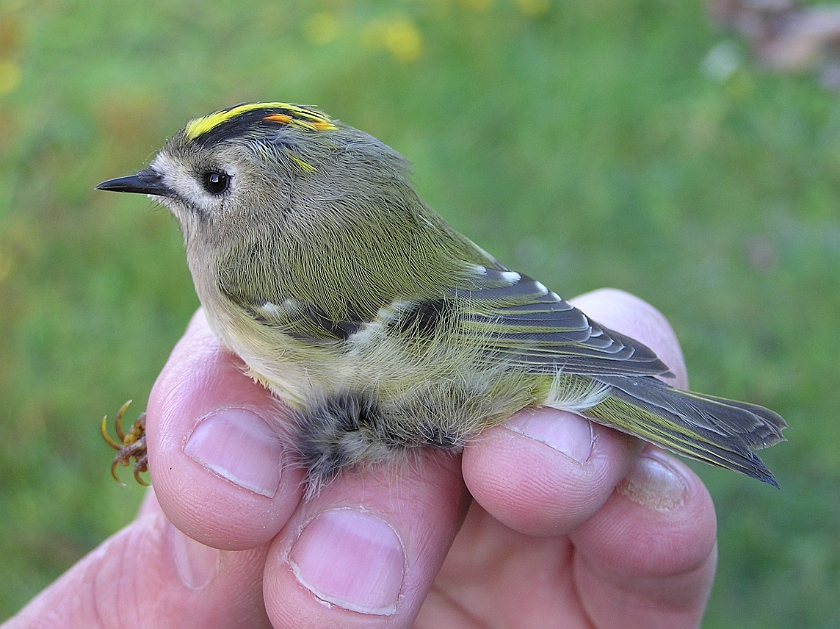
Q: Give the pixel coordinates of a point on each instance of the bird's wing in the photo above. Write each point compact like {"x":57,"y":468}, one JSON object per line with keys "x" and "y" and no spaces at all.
{"x":528,"y":324}
{"x":515,"y":318}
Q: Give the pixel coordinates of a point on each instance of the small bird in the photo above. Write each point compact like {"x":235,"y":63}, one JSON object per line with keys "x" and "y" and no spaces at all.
{"x":382,"y":327}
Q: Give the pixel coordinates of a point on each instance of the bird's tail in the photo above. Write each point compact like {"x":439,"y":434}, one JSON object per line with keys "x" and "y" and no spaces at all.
{"x":710,"y":429}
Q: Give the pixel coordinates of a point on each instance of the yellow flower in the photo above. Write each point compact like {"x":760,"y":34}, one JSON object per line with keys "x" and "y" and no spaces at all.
{"x":533,"y":8}
{"x":399,"y":36}
{"x":10,"y":76}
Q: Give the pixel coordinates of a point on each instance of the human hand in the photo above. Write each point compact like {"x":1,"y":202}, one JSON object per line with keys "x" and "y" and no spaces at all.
{"x":569,"y":524}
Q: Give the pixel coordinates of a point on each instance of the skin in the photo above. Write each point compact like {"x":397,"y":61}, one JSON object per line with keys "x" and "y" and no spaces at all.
{"x":515,"y":533}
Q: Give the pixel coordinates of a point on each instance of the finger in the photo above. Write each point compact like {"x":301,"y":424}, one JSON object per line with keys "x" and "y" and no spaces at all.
{"x":221,"y":471}
{"x":365,"y":551}
{"x":545,"y":472}
{"x":152,"y":575}
{"x":648,"y":557}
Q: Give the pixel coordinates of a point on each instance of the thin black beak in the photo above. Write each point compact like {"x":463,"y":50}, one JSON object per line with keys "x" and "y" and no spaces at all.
{"x":146,"y":181}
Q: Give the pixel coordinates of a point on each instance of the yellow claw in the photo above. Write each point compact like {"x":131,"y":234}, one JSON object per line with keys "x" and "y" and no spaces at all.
{"x":139,"y":478}
{"x":114,"y":470}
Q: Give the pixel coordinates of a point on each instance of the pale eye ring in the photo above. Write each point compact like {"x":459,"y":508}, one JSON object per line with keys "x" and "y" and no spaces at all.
{"x":215,"y":182}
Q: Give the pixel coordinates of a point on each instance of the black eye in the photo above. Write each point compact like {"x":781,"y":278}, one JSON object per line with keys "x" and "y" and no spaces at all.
{"x":216,"y":182}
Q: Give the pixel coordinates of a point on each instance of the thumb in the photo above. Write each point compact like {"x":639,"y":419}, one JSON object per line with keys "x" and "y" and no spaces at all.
{"x":150,"y":574}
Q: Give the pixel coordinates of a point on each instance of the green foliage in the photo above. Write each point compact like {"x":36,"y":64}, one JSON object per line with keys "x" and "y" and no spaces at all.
{"x":580,"y":142}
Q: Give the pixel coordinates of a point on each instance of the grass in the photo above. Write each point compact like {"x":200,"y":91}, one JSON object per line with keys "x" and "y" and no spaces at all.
{"x":580,"y":142}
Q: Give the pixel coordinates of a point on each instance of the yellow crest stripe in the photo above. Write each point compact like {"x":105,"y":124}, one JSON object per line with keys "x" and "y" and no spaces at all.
{"x":307,"y":118}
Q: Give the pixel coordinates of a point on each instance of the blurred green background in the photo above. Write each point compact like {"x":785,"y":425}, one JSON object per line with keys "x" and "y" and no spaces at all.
{"x":581,"y":142}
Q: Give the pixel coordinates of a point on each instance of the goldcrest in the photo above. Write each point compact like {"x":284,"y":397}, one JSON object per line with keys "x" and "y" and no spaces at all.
{"x":383,"y":328}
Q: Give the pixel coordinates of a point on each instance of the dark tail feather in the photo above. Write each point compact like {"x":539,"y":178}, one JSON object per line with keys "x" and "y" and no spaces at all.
{"x":715,"y":430}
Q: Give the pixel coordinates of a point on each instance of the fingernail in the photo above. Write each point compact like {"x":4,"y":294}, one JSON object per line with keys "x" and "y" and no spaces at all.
{"x":565,"y":432}
{"x":351,"y":559}
{"x":654,"y":482}
{"x":197,"y":564}
{"x":238,"y":445}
